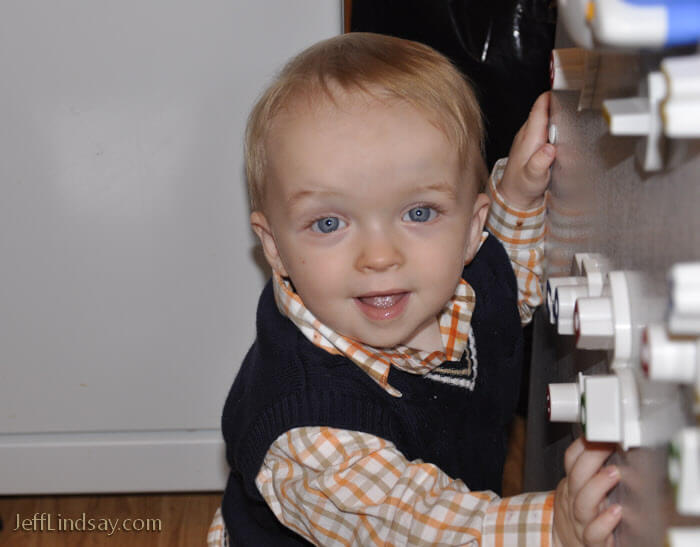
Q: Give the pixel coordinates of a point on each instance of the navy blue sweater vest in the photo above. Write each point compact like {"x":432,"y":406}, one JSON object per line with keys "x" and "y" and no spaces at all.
{"x":286,"y":382}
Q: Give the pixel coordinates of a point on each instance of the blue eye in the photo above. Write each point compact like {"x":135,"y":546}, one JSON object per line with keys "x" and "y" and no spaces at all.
{"x":420,"y":214}
{"x":327,"y":225}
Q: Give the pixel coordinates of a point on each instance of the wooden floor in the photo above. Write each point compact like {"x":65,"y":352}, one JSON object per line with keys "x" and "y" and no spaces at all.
{"x":183,"y":519}
{"x":515,"y":459}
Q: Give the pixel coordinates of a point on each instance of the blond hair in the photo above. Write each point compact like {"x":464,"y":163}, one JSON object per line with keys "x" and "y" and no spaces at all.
{"x":381,"y":66}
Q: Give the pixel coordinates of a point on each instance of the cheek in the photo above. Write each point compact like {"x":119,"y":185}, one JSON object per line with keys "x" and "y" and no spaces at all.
{"x":449,"y":249}
{"x":316,"y":276}
{"x":443,"y":267}
{"x":441,"y":270}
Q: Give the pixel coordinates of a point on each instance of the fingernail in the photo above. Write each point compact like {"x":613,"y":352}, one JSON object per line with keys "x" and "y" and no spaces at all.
{"x":613,"y":472}
{"x":616,"y":510}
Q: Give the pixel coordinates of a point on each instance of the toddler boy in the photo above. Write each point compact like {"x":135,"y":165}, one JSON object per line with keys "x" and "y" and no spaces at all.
{"x":372,"y":407}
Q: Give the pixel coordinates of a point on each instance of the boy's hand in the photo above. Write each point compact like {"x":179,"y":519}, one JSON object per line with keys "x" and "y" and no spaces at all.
{"x":527,"y":173}
{"x":580,"y":517}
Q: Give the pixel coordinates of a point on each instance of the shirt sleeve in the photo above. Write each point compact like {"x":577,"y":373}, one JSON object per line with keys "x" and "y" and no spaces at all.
{"x":339,"y":487}
{"x":522,"y":234}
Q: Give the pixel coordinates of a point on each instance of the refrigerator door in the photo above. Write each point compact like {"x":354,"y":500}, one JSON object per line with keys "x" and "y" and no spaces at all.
{"x":643,"y":221}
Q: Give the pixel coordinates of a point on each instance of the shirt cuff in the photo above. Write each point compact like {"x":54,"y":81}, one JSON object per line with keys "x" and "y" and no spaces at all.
{"x":510,"y":224}
{"x":526,"y":519}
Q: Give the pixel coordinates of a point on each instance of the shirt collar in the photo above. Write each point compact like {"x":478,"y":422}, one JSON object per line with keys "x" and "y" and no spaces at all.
{"x":454,"y":322}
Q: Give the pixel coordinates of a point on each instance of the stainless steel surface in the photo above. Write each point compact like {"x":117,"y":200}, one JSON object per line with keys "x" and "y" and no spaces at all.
{"x":601,"y":201}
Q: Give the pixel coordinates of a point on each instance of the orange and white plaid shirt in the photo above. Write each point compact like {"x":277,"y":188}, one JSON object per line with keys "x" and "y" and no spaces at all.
{"x":339,"y":487}
{"x":521,"y":232}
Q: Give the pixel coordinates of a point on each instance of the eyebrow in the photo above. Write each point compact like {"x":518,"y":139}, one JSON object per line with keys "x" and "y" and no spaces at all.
{"x":442,"y":187}
{"x":301,"y":195}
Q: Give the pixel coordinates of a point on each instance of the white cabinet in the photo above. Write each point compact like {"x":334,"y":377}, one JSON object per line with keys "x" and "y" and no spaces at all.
{"x":128,"y":273}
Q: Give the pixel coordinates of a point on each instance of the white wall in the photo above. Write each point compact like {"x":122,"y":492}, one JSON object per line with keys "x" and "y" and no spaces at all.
{"x":128,"y":281}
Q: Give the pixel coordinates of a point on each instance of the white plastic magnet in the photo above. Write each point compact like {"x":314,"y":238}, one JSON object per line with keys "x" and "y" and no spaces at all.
{"x":564,"y":401}
{"x":641,"y":116}
{"x":668,"y":359}
{"x":607,"y":406}
{"x":573,"y":14}
{"x":681,"y":109}
{"x":683,"y":536}
{"x":631,"y":424}
{"x":644,"y":23}
{"x":565,"y":298}
{"x":590,"y":272}
{"x":684,"y":299}
{"x":684,"y":470}
{"x":606,"y":322}
{"x":622,"y":24}
{"x":593,"y":323}
{"x":610,"y":409}
{"x":601,"y":409}
{"x":622,"y":316}
{"x":552,"y":284}
{"x":628,"y":116}
{"x":594,"y":267}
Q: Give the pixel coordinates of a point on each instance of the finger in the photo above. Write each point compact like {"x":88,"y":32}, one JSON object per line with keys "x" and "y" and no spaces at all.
{"x":589,"y":499}
{"x":587,"y":465}
{"x":572,"y":453}
{"x":542,"y":102}
{"x":599,"y":531}
{"x":538,"y":120}
{"x":537,"y":167}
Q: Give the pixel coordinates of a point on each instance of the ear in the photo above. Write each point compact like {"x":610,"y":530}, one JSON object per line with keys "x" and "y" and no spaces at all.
{"x":262,"y":229}
{"x":480,"y":211}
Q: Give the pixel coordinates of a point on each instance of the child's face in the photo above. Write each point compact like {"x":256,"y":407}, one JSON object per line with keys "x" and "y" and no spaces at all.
{"x":369,"y":214}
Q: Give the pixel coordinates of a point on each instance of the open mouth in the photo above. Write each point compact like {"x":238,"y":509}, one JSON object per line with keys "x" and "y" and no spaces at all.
{"x":383,"y":306}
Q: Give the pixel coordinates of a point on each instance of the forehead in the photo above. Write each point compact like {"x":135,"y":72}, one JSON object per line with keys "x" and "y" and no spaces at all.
{"x":314,"y":107}
{"x":354,"y":132}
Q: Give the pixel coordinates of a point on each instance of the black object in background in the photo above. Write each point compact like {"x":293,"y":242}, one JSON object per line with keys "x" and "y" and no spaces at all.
{"x":502,"y":46}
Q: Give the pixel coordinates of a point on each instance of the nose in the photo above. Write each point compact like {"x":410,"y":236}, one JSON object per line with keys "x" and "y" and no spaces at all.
{"x":378,"y":252}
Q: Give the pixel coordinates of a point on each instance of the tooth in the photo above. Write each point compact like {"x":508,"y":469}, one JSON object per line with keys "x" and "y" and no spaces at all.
{"x":381,"y":301}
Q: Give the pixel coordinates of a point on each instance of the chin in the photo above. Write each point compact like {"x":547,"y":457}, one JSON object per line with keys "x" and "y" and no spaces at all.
{"x":371,"y":339}
{"x":382,"y":342}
